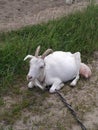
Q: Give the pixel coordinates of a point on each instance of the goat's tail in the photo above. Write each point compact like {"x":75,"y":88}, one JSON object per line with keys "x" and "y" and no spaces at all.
{"x":85,"y":71}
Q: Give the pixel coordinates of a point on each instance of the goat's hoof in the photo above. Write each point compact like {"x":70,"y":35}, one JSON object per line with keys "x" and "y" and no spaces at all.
{"x":52,"y":90}
{"x":72,"y":84}
{"x":30,"y":85}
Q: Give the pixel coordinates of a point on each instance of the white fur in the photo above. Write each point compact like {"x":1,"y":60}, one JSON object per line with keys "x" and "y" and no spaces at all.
{"x":54,"y":69}
{"x":69,"y":1}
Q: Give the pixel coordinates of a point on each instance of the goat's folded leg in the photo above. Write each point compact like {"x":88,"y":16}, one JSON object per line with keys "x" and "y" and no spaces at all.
{"x":57,"y":85}
{"x":30,"y":84}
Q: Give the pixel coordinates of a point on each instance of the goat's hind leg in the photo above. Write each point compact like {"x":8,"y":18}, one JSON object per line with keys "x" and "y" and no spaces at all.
{"x":78,"y":62}
{"x":74,"y":82}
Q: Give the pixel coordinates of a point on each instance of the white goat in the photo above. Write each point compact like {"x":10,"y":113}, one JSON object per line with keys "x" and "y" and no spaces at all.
{"x":55,"y":69}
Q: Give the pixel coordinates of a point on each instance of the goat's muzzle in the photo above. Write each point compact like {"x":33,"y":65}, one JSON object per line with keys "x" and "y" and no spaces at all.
{"x":29,"y":78}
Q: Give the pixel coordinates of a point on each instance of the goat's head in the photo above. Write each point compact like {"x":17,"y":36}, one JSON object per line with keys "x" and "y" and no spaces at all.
{"x":37,"y":64}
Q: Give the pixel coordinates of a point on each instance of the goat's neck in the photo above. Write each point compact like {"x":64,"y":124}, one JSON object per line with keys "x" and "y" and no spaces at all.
{"x":41,"y":78}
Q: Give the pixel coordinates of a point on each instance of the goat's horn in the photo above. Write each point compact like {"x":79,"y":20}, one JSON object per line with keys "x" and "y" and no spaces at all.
{"x":37,"y":51}
{"x":48,"y":51}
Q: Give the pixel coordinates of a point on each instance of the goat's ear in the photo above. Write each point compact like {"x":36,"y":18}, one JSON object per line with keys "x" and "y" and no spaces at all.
{"x":28,"y":57}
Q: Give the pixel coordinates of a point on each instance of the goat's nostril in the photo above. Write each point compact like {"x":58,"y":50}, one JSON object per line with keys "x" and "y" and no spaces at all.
{"x":29,"y":77}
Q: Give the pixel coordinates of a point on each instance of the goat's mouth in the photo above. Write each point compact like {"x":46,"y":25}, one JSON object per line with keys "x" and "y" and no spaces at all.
{"x":29,"y":80}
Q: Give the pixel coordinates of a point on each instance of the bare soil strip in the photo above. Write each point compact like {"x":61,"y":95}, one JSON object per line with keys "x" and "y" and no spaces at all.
{"x":15,"y":14}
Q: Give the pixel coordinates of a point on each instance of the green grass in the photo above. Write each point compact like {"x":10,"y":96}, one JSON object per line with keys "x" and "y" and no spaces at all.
{"x":76,"y":32}
{"x":1,"y":102}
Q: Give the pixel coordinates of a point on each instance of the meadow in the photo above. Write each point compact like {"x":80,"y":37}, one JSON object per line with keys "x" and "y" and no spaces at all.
{"x":75,"y":32}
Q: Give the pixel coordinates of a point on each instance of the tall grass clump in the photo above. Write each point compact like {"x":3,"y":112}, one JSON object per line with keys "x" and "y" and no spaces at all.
{"x":76,"y":32}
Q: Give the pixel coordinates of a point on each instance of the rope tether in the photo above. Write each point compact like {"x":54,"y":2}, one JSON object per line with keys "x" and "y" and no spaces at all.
{"x":71,"y":110}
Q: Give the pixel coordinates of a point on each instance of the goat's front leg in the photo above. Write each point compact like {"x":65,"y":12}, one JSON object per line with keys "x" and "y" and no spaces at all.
{"x":57,"y":85}
{"x":30,"y":84}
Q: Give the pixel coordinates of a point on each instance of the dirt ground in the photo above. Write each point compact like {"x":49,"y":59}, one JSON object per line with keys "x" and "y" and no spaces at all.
{"x":18,"y":13}
{"x":49,"y":112}
{"x":46,"y":111}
